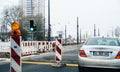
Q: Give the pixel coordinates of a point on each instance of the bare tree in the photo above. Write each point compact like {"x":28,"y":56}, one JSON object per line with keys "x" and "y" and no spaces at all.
{"x":40,"y":27}
{"x":12,"y":14}
{"x":16,"y":14}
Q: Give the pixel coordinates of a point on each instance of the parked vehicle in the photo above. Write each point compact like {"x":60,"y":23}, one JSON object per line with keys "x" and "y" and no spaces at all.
{"x":99,"y":52}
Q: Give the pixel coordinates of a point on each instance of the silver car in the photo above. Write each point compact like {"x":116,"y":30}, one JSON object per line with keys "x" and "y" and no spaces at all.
{"x":99,"y":52}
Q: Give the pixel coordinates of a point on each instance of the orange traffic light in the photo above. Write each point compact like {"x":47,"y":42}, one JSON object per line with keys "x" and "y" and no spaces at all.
{"x":15,"y":29}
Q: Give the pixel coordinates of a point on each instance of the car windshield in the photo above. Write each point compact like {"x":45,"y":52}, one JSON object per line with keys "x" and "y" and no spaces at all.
{"x":103,"y":41}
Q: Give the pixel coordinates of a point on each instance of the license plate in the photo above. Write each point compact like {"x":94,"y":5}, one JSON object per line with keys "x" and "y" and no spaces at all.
{"x":100,"y":53}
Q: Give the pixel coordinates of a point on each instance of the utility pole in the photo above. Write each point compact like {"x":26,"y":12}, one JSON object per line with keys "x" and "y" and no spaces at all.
{"x":80,"y":36}
{"x":77,"y":31}
{"x":65,"y":35}
{"x":98,"y":32}
{"x":49,"y":27}
{"x":86,"y":34}
{"x":94,"y":30}
{"x":112,"y":32}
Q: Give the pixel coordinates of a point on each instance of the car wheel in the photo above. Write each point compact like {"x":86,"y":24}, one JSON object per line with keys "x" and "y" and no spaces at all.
{"x":83,"y":69}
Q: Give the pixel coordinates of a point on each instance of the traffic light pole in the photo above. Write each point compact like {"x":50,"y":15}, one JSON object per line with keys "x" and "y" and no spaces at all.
{"x":77,"y":31}
{"x":49,"y":28}
{"x":32,"y":36}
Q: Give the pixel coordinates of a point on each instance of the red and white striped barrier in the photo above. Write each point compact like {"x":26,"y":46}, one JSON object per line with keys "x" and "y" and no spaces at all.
{"x":44,"y":46}
{"x":58,"y":53}
{"x":58,"y":57}
{"x":15,"y":65}
{"x":50,"y":46}
{"x":44,"y":43}
{"x":40,"y":46}
{"x":25,"y":48}
{"x":30,"y":47}
{"x":47,"y":46}
{"x":4,"y":49}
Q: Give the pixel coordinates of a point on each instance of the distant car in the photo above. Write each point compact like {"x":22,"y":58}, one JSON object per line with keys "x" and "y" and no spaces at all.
{"x":99,"y":52}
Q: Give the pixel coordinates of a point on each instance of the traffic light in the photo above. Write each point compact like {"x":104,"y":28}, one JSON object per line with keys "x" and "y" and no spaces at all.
{"x":15,"y":29}
{"x":35,"y":28}
{"x":32,"y":27}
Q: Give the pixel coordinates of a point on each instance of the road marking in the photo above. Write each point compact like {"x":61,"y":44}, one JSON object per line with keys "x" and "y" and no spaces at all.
{"x":48,"y":63}
{"x":44,"y":63}
{"x":74,"y":65}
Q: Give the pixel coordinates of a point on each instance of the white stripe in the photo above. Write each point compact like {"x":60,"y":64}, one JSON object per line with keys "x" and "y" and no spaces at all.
{"x":17,"y":50}
{"x":58,"y":55}
{"x":15,"y":66}
{"x":58,"y":44}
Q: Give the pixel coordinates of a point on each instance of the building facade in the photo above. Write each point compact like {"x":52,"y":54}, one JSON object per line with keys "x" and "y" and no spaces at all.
{"x":34,"y":9}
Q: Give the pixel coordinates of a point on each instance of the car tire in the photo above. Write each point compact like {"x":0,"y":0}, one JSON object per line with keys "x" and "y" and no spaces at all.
{"x":83,"y":69}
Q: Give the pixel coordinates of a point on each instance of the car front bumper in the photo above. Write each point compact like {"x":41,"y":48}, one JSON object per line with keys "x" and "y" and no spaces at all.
{"x":99,"y":63}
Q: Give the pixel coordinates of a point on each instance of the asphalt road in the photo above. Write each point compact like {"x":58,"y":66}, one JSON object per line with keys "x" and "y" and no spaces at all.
{"x":69,"y":55}
{"x":38,"y":68}
{"x":43,"y":62}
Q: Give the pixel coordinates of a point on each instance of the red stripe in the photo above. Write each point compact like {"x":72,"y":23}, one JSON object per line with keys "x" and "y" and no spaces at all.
{"x":47,"y":43}
{"x":28,"y":44}
{"x":12,"y":70}
{"x":17,"y":40}
{"x":59,"y":40}
{"x":39,"y":43}
{"x":25,"y":44}
{"x":57,"y":59}
{"x":43,"y":43}
{"x":15,"y":56}
{"x":58,"y":50}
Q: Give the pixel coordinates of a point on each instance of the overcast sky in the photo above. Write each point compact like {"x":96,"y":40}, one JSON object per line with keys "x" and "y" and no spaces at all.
{"x":104,"y":13}
{"x":7,"y":3}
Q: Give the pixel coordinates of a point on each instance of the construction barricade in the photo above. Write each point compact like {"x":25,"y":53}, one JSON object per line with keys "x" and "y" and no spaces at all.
{"x":5,"y":50}
{"x":58,"y":53}
{"x":28,"y":47}
{"x":44,"y":46}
